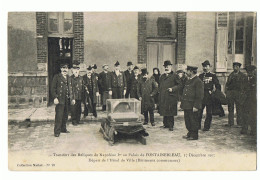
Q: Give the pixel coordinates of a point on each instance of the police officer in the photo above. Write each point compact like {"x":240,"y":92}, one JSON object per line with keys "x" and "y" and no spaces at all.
{"x":92,"y":91}
{"x":134,"y":82}
{"x":76,"y":93}
{"x":235,"y":92}
{"x":128,"y":76}
{"x":250,"y":104}
{"x":210,"y":81}
{"x":117,"y":83}
{"x":60,"y":93}
{"x":104,"y":80}
{"x":191,"y":103}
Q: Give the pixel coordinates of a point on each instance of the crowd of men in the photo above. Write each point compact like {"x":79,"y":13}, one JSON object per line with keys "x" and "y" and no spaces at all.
{"x":160,"y":91}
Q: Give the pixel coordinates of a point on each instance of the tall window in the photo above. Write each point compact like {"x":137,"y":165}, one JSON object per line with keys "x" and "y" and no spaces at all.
{"x":236,"y":33}
{"x":60,"y":22}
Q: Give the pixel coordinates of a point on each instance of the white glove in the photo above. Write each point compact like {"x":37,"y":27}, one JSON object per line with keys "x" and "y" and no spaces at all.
{"x":170,"y":89}
{"x":73,"y":102}
{"x":97,"y":93}
{"x":124,"y":92}
{"x":110,"y":93}
{"x":140,"y":98}
{"x":195,"y":109}
{"x":56,"y":101}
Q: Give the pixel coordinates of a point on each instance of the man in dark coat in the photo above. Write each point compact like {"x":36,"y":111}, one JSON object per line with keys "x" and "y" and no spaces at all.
{"x":250,"y":105}
{"x":117,"y":84}
{"x":76,"y":93}
{"x":128,"y":76}
{"x":191,"y":103}
{"x":134,"y":82}
{"x":147,"y":88}
{"x":235,"y":92}
{"x":92,"y":91}
{"x":168,"y":95}
{"x":104,"y":80}
{"x":60,"y":93}
{"x":210,"y":81}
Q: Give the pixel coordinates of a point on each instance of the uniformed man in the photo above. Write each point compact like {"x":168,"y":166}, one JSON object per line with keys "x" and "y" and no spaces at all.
{"x":104,"y":80}
{"x":191,"y":102}
{"x":210,"y":81}
{"x":117,"y":83}
{"x":76,"y":93}
{"x":60,"y":93}
{"x":169,"y":85}
{"x":250,"y":104}
{"x":128,"y":75}
{"x":147,"y":88}
{"x":91,"y":93}
{"x":235,"y":92}
{"x":134,"y":82}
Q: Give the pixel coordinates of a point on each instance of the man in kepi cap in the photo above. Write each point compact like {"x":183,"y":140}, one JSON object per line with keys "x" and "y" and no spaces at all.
{"x":168,"y":95}
{"x":191,"y":103}
{"x":60,"y":93}
{"x":117,"y":83}
{"x":128,"y":76}
{"x":235,"y":92}
{"x":76,"y":93}
{"x":210,"y":81}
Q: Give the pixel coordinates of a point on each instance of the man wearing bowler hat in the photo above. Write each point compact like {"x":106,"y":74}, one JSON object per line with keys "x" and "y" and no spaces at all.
{"x":169,"y":85}
{"x":235,"y":92}
{"x":129,"y":76}
{"x":117,"y":83}
{"x":60,"y":93}
{"x":191,"y":102}
{"x":210,"y":81}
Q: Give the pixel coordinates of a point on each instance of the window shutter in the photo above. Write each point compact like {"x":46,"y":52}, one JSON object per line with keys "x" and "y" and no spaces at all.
{"x":221,"y":41}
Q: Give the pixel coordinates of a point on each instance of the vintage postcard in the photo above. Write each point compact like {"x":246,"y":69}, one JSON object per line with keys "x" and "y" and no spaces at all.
{"x":132,"y":91}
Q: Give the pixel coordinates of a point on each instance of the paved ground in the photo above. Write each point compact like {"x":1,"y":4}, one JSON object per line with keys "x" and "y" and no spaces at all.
{"x":28,"y":136}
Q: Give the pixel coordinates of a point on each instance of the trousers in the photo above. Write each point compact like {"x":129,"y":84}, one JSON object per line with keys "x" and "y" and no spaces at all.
{"x":61,"y":117}
{"x":191,"y":123}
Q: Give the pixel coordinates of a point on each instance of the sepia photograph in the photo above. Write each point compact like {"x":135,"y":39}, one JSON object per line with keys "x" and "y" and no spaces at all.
{"x":132,"y":91}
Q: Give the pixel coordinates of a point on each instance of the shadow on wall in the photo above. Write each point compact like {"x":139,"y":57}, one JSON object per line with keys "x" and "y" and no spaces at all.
{"x":22,"y":52}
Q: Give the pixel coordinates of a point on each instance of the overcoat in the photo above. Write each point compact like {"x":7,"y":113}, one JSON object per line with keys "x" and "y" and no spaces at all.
{"x":133,"y":90}
{"x":93,"y":81}
{"x":168,"y":100}
{"x":104,"y":81}
{"x":76,"y":87}
{"x":60,"y":87}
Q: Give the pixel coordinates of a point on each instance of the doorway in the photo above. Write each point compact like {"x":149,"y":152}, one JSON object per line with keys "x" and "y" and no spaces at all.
{"x":59,"y":51}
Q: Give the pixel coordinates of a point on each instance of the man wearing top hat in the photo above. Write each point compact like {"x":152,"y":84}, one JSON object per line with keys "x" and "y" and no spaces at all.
{"x":191,"y":102}
{"x":60,"y":93}
{"x":104,"y":80}
{"x":169,"y":85}
{"x":250,"y":104}
{"x":235,"y":92}
{"x":210,"y":82}
{"x":91,"y":91}
{"x":76,"y":93}
{"x":134,"y":82}
{"x":128,"y":76}
{"x":117,"y":83}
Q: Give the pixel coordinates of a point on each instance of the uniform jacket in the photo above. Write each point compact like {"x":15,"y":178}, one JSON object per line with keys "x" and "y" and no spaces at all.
{"x":128,"y":77}
{"x":193,"y":94}
{"x":94,"y":89}
{"x":147,"y":89}
{"x":117,"y":81}
{"x":104,"y":81}
{"x":168,"y":100}
{"x":251,"y":91}
{"x":60,"y":88}
{"x":76,"y":87}
{"x":210,"y":80}
{"x":133,"y":90}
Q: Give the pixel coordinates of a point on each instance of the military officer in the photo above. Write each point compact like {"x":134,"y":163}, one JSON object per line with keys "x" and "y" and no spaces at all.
{"x":191,"y":102}
{"x":128,"y":76}
{"x":104,"y":80}
{"x":235,"y":92}
{"x":169,"y":85}
{"x":134,"y":82}
{"x":117,"y":87}
{"x":60,"y":93}
{"x":250,"y":104}
{"x":76,"y":93}
{"x":92,"y":91}
{"x":210,"y":81}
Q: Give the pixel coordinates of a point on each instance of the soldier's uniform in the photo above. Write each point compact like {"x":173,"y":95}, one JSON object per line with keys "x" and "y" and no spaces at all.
{"x":235,"y":92}
{"x":192,"y":96}
{"x":117,"y":84}
{"x":129,"y":77}
{"x":210,"y":80}
{"x":60,"y":90}
{"x":104,"y":81}
{"x":76,"y":93}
